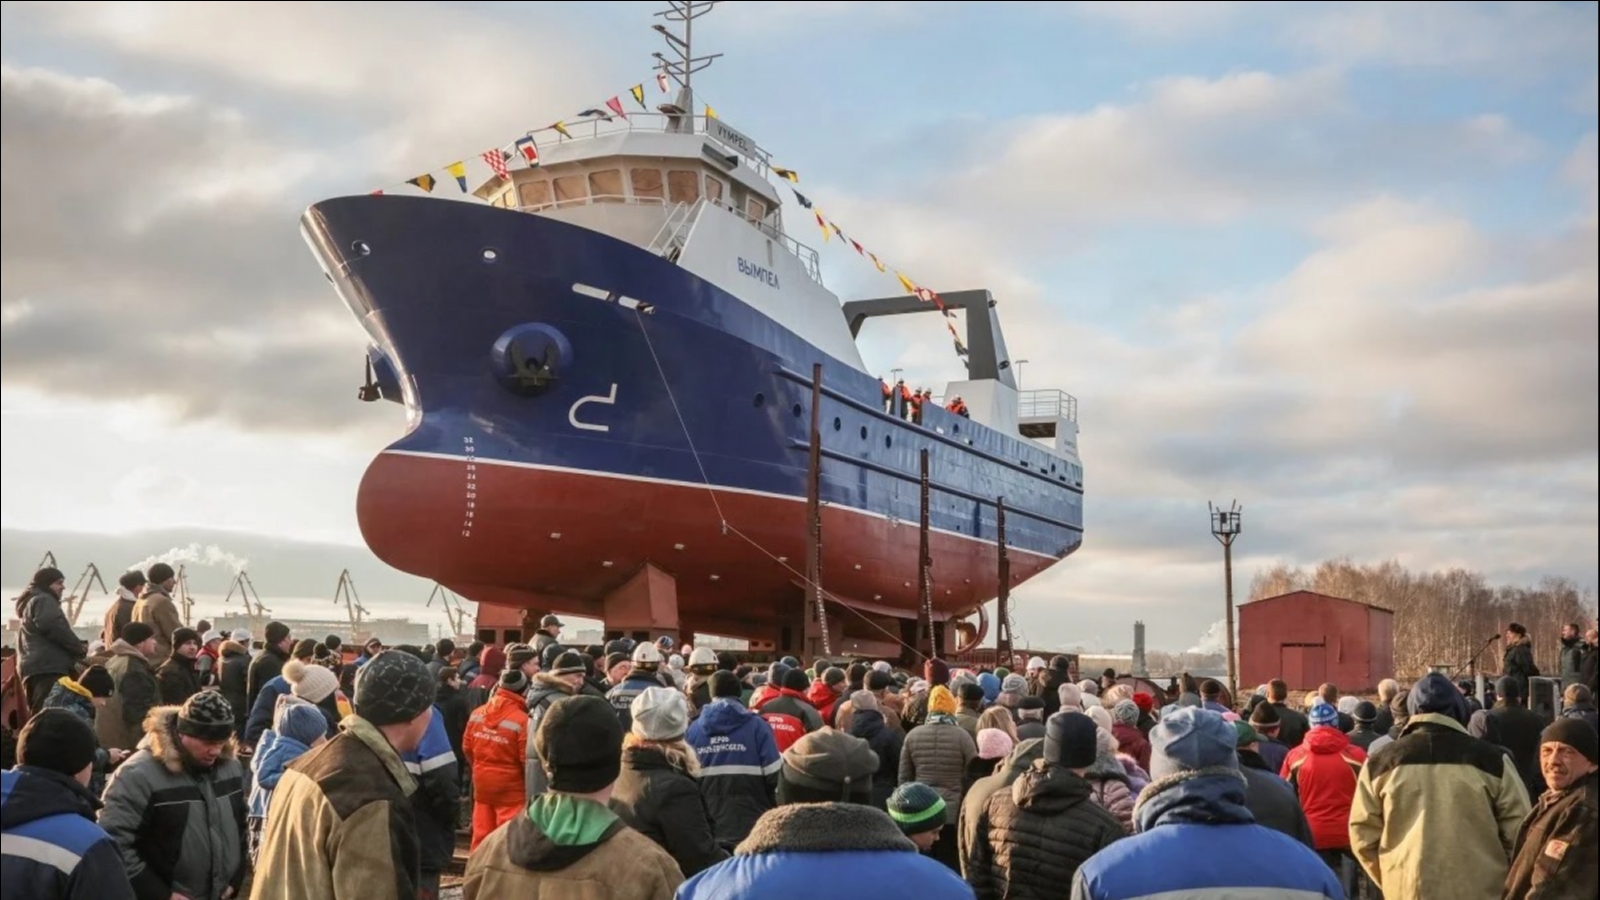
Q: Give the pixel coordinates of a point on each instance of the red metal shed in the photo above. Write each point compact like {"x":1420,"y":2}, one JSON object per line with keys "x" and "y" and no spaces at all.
{"x":1307,"y":639}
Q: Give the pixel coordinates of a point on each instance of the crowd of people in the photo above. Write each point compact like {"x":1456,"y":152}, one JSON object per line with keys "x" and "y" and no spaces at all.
{"x":188,"y":768}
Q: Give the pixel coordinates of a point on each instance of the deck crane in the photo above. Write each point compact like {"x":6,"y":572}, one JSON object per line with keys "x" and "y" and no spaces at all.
{"x":345,"y":592}
{"x":185,"y":601}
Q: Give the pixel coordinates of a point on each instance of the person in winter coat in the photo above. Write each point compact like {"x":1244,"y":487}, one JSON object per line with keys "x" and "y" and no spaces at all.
{"x":824,"y":827}
{"x":1021,"y":757}
{"x":1516,"y":661}
{"x":47,"y":647}
{"x":233,"y":680}
{"x":827,"y":692}
{"x":491,"y":663}
{"x":1578,"y":703}
{"x":297,"y":728}
{"x":1365,"y":716}
{"x":1032,"y":839}
{"x":436,"y":804}
{"x":644,"y":674}
{"x":869,"y":722}
{"x":657,"y":793}
{"x":566,"y":678}
{"x":1265,"y":722}
{"x":341,"y":826}
{"x":176,"y":808}
{"x":994,"y":745}
{"x":877,"y":684}
{"x":83,"y":697}
{"x":120,"y":612}
{"x":1436,"y":812}
{"x":1557,"y":851}
{"x":969,"y":706}
{"x":1323,"y":771}
{"x":265,"y":704}
{"x":120,"y":723}
{"x":1195,"y":812}
{"x":495,"y":747}
{"x":919,"y":812}
{"x":1519,"y":732}
{"x":51,"y":848}
{"x":936,"y":672}
{"x":269,"y":664}
{"x":157,"y":609}
{"x":451,"y":702}
{"x":1268,"y":797}
{"x":788,"y":712}
{"x":1125,"y":728}
{"x":1109,"y":785}
{"x":176,"y":679}
{"x":569,"y":843}
{"x":739,"y":760}
{"x":936,"y":753}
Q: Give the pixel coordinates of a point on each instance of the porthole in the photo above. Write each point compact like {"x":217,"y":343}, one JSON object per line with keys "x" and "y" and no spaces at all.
{"x":797,"y":410}
{"x":837,"y":423}
{"x":863,"y":432}
{"x":888,"y":441}
{"x":361,"y":248}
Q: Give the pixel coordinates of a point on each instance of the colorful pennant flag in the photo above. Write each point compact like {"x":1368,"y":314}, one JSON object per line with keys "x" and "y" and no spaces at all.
{"x":790,"y":174}
{"x":661,"y":81}
{"x":615,"y":105}
{"x":910,"y":287}
{"x":638,"y":96}
{"x":876,"y":261}
{"x":595,"y":113}
{"x":529,"y":151}
{"x":459,"y":170}
{"x":497,"y":162}
{"x":424,"y":181}
{"x":710,"y":113}
{"x":562,"y":128}
{"x":802,"y":198}
{"x":823,"y":224}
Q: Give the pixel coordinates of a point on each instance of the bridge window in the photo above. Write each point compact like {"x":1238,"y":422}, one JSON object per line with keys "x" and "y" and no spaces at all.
{"x":646,"y":184}
{"x":605,"y":186}
{"x":755,"y":209}
{"x":535,"y":194}
{"x":571,"y":189}
{"x":715,"y":188}
{"x":683,"y":186}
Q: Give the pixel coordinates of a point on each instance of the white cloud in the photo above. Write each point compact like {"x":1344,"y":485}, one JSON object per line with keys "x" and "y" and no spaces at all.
{"x":1166,"y":19}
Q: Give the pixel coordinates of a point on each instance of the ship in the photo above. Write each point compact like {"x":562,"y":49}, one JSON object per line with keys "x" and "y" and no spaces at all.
{"x":630,"y":396}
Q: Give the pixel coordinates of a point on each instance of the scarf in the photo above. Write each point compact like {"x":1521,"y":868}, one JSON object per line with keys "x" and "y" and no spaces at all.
{"x":941,"y":719}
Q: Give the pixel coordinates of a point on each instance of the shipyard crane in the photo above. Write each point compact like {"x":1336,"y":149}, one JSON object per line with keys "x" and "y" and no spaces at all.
{"x":185,"y":602}
{"x":453,"y":612}
{"x":345,"y":591}
{"x":253,"y":607}
{"x":74,"y":599}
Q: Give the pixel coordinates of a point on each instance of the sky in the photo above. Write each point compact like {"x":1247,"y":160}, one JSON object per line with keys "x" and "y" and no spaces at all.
{"x":1335,"y":260}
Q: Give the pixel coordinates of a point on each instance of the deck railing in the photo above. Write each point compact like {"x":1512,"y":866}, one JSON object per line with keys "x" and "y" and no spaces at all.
{"x":1047,"y":404}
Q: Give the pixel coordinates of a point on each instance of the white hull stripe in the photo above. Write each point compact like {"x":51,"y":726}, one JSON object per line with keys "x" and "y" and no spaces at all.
{"x":692,"y":485}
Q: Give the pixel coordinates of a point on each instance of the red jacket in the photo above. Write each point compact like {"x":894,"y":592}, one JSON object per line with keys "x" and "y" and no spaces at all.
{"x":1323,"y":771}
{"x":1131,"y":740}
{"x":791,"y":716}
{"x":825,"y":699}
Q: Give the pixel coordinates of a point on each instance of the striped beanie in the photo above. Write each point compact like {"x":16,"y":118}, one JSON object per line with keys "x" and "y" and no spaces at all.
{"x":916,"y":808}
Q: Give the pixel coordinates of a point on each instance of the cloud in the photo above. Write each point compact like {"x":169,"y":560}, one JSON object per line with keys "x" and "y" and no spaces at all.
{"x":150,"y":240}
{"x":1168,"y":19}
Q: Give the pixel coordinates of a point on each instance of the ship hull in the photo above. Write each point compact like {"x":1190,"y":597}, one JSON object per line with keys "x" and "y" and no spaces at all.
{"x":671,"y":437}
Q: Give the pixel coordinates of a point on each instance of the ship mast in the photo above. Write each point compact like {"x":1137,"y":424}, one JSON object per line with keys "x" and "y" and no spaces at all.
{"x":681,"y":69}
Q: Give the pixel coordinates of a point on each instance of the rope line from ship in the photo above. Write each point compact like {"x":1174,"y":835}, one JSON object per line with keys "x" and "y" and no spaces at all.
{"x":728,"y":527}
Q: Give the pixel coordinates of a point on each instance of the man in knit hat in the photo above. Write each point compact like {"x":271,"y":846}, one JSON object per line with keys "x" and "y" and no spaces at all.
{"x":1558,"y":848}
{"x":269,"y":665}
{"x":1195,"y":808}
{"x":824,"y":824}
{"x":120,"y":723}
{"x":341,"y":824}
{"x":1032,"y":838}
{"x":177,"y":678}
{"x":176,"y":808}
{"x":569,"y":841}
{"x":264,"y":708}
{"x":84,"y":696}
{"x":52,"y":848}
{"x":157,"y":609}
{"x":567,"y":677}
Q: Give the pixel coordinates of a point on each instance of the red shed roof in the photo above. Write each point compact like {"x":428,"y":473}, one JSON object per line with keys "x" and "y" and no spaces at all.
{"x":1309,"y":594}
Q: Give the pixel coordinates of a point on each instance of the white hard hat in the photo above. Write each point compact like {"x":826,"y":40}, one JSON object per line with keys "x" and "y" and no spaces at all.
{"x":242,"y":636}
{"x":1035,"y":663}
{"x":702,"y":656}
{"x":647,"y":655}
{"x":212,"y":635}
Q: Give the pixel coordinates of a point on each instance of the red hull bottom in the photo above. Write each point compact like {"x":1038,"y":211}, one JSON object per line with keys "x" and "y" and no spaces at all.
{"x":654,"y":555}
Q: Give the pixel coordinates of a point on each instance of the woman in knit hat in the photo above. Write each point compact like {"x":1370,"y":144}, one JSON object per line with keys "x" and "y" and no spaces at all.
{"x":1110,"y":787}
{"x":317,"y":686}
{"x":993,"y":746}
{"x":937,"y":754}
{"x":658,"y":794}
{"x":1125,"y":728}
{"x":297,"y":727}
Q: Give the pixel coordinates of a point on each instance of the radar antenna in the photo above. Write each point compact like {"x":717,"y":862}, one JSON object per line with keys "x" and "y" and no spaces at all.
{"x":681,"y":68}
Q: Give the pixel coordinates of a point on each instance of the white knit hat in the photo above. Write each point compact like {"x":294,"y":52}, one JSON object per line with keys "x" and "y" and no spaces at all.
{"x":312,"y":683}
{"x":660,"y":714}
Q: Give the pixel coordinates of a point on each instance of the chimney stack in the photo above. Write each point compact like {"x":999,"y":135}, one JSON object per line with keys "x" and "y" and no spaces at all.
{"x":1139,"y":667}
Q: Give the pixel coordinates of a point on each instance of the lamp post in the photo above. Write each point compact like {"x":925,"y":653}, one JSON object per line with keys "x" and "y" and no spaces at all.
{"x":1225,"y":526}
{"x":1018,"y":366}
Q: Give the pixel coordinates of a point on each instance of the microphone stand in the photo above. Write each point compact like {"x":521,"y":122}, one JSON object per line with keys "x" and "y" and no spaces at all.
{"x":1472,"y":661}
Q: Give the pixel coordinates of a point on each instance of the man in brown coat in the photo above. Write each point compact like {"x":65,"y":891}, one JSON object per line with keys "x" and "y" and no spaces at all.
{"x":156,"y":609}
{"x":569,"y":843}
{"x":1557,"y":852}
